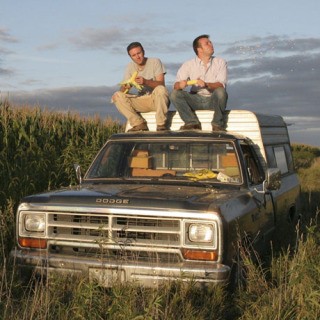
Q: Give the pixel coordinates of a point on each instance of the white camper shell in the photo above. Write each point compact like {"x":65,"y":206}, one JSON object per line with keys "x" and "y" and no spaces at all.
{"x":263,"y":130}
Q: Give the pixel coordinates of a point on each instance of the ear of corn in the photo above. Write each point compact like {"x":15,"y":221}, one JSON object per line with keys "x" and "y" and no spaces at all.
{"x":191,"y":82}
{"x":132,"y":82}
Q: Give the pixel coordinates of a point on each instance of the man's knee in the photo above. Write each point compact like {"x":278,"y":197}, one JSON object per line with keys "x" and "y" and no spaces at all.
{"x":119,"y":95}
{"x":160,"y":96}
{"x":175,"y":94}
{"x":221,"y":94}
{"x":160,"y":90}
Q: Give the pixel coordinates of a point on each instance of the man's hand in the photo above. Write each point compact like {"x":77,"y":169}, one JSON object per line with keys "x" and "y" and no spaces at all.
{"x":127,"y":84}
{"x":125,"y":87}
{"x":140,"y":80}
{"x":201,"y":83}
{"x":183,"y":84}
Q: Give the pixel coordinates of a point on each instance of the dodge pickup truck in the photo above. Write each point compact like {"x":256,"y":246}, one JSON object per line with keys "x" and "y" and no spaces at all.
{"x":156,"y":206}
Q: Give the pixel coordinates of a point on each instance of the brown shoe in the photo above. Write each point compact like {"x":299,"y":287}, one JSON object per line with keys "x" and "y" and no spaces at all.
{"x":215,"y":127}
{"x":140,"y":127}
{"x":161,"y":127}
{"x":191,"y":127}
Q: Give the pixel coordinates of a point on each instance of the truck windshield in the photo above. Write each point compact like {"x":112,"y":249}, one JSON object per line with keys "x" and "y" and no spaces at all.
{"x":192,"y":161}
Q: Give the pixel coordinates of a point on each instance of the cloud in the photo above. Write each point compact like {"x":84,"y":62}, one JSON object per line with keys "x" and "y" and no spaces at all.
{"x":49,"y":47}
{"x":5,"y":51}
{"x":257,"y":46}
{"x":114,"y":39}
{"x":117,"y":39}
{"x":6,"y":72}
{"x":169,"y":47}
{"x":91,"y":38}
{"x":5,"y":36}
{"x":86,"y":101}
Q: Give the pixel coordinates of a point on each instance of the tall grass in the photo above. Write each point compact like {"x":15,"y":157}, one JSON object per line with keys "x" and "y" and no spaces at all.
{"x":310,"y":178}
{"x":290,"y":287}
{"x":38,"y":148}
{"x":37,"y":152}
{"x":76,"y":298}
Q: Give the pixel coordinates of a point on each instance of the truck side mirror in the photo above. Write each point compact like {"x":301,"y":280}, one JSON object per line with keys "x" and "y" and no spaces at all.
{"x":77,"y":169}
{"x":273,"y":179}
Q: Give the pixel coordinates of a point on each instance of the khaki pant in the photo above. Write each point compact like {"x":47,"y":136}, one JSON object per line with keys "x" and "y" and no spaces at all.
{"x":131,"y":105}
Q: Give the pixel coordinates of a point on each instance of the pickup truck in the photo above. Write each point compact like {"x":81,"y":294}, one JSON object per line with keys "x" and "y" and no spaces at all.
{"x":157,"y":206}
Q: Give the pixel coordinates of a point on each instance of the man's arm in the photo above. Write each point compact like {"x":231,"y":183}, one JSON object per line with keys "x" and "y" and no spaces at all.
{"x":180,"y":85}
{"x":159,"y":81}
{"x":183,"y":75}
{"x":211,"y":86}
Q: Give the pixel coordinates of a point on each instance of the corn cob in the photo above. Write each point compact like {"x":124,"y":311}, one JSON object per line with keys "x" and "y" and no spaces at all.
{"x":132,"y":82}
{"x":192,"y":82}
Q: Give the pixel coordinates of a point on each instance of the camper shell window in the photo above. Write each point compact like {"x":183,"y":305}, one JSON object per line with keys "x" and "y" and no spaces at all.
{"x":280,"y":156}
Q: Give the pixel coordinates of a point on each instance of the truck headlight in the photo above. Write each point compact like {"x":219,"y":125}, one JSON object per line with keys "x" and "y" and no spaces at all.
{"x":200,"y":233}
{"x":34,"y":222}
{"x":200,"y":240}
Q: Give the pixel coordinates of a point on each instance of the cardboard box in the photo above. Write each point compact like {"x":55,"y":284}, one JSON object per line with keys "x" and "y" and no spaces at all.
{"x":140,"y":153}
{"x":140,"y":162}
{"x":139,"y":172}
{"x":229,"y":160}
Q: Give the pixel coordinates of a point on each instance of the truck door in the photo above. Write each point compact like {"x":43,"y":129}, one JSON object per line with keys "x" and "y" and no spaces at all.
{"x":265,"y":214}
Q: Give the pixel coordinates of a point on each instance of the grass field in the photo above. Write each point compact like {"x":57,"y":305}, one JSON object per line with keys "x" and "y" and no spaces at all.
{"x":37,"y":152}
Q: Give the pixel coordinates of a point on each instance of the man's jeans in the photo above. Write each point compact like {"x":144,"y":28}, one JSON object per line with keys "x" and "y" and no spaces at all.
{"x":186,"y":103}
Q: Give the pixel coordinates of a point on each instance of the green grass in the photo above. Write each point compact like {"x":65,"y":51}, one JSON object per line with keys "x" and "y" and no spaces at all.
{"x":37,"y":152}
{"x":38,"y":148}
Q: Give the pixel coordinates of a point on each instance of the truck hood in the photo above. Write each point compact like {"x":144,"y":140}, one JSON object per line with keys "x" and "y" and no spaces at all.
{"x":138,"y":196}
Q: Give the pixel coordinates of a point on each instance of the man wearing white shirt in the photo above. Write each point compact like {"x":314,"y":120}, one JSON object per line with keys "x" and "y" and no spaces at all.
{"x":208,"y":75}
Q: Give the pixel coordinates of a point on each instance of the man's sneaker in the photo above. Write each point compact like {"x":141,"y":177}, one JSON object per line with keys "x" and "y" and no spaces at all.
{"x":140,"y":127}
{"x":215,"y":127}
{"x":191,"y":127}
{"x":161,"y":127}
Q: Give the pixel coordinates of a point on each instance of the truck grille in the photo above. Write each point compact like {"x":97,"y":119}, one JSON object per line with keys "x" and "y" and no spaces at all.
{"x":116,"y":236}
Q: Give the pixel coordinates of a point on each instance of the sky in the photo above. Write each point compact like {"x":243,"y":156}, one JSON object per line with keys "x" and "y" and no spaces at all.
{"x":70,"y":55}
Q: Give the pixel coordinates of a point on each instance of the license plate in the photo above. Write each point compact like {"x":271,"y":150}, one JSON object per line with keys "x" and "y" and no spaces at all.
{"x":106,"y":277}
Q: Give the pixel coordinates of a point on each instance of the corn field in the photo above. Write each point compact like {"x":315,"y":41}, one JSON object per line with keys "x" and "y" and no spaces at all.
{"x":38,"y":148}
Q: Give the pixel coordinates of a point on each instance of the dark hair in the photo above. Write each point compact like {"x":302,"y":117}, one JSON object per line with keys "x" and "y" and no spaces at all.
{"x":134,"y":45}
{"x":195,"y":43}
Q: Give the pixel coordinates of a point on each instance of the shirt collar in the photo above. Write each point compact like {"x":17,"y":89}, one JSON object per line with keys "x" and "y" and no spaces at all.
{"x":199,"y":61}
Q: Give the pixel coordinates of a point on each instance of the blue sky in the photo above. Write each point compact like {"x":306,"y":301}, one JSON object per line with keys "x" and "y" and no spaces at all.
{"x":71,"y":54}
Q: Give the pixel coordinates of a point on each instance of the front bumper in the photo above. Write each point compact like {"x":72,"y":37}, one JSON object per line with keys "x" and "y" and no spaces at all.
{"x":106,"y":272}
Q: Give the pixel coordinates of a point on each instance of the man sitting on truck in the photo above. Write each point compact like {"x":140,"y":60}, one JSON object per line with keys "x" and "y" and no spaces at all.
{"x":147,"y":76}
{"x":207,"y":76}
